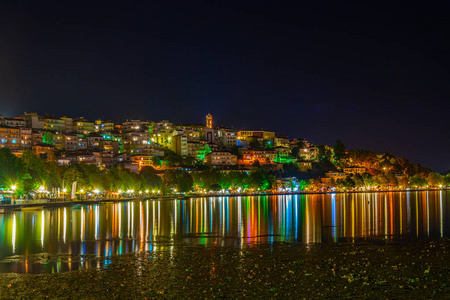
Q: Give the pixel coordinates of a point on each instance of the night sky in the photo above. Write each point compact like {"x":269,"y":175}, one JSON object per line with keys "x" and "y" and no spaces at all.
{"x":376,"y":77}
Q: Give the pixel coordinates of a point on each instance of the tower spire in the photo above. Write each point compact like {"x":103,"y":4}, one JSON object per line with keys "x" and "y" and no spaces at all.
{"x":209,"y":121}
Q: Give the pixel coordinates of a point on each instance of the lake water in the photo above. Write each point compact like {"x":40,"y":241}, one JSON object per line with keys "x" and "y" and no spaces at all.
{"x":68,"y":238}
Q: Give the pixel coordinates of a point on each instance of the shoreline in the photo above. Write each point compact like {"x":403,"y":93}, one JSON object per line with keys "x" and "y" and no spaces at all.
{"x":278,"y":270}
{"x":4,"y":208}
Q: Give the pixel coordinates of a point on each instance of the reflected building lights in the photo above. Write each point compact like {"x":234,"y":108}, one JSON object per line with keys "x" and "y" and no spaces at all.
{"x":42,"y":229}
{"x":13,"y":240}
{"x":65,"y":225}
{"x":441,"y":219}
{"x":238,"y":221}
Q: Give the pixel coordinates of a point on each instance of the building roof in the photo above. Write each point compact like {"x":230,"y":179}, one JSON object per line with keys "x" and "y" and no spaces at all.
{"x":94,"y":134}
{"x":51,"y":117}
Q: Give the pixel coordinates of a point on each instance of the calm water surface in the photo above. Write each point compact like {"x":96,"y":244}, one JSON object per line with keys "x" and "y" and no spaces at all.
{"x":63,"y":239}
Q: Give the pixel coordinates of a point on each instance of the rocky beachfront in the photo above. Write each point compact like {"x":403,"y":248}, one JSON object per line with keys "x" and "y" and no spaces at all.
{"x":360,"y":269}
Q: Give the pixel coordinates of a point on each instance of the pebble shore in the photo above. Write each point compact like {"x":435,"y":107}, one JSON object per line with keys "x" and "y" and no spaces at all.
{"x":361,"y":269}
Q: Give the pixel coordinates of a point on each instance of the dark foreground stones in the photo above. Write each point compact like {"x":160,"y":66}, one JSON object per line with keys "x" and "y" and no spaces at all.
{"x":419,"y":269}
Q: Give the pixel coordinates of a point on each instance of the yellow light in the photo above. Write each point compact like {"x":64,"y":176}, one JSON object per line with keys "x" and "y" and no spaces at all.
{"x":41,"y":188}
{"x":96,"y":191}
{"x":120,"y":191}
{"x":82,"y":190}
{"x":13,"y":187}
{"x":64,"y":190}
{"x":146,"y":191}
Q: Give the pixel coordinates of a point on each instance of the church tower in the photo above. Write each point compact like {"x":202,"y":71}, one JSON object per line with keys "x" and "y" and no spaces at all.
{"x":209,"y":122}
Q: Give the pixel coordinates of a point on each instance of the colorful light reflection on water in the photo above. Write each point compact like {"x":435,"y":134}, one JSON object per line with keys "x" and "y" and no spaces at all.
{"x":68,"y":238}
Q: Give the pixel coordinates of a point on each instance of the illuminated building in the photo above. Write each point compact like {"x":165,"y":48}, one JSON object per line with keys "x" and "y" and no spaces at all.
{"x":104,"y":126}
{"x":309,"y":153}
{"x":109,"y":145}
{"x":179,"y":144}
{"x":248,"y":135}
{"x":162,"y":125}
{"x":86,"y":158}
{"x":283,"y":154}
{"x":300,"y":143}
{"x":70,"y":142}
{"x":289,"y":184}
{"x":68,"y":124}
{"x":198,"y":149}
{"x":83,"y":126}
{"x":194,"y":127}
{"x":33,"y":121}
{"x":82,"y":143}
{"x":355,"y":170}
{"x":52,"y":123}
{"x":227,"y":136}
{"x":263,"y":156}
{"x":143,"y":161}
{"x":304,"y":165}
{"x":282,"y":141}
{"x":209,"y":121}
{"x":105,"y":160}
{"x":135,"y":125}
{"x":221,"y":158}
{"x":26,"y":138}
{"x":115,"y":137}
{"x":10,"y":137}
{"x":210,"y":135}
{"x":93,"y":141}
{"x":136,"y":142}
{"x":42,"y":149}
{"x":192,"y":136}
{"x":12,"y":122}
{"x":333,"y":176}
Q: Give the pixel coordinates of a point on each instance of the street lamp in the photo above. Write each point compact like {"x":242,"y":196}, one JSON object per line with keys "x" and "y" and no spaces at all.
{"x":81,"y":196}
{"x":64,"y":194}
{"x":96,"y":193}
{"x":41,"y":190}
{"x":13,"y":188}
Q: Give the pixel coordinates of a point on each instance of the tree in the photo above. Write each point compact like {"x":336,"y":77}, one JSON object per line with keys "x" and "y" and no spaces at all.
{"x":172,"y":158}
{"x":320,"y":152}
{"x":368,"y":179}
{"x":295,"y":151}
{"x":359,"y":181}
{"x":236,"y":150}
{"x":392,"y":180}
{"x":348,"y":183}
{"x":35,"y":167}
{"x":12,"y":170}
{"x":72,"y":174}
{"x":176,"y":179}
{"x":435,"y":179}
{"x":267,"y":144}
{"x":255,"y":144}
{"x":156,"y":161}
{"x":260,"y":179}
{"x":256,"y":164}
{"x":150,"y":178}
{"x":417,"y":181}
{"x":184,"y":181}
{"x":216,"y":187}
{"x":339,"y":150}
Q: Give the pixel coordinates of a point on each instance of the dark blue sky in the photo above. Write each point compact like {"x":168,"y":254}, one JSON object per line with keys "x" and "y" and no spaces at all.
{"x":373,"y":76}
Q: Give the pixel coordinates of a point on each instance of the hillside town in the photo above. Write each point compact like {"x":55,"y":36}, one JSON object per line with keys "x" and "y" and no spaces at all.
{"x":212,"y":158}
